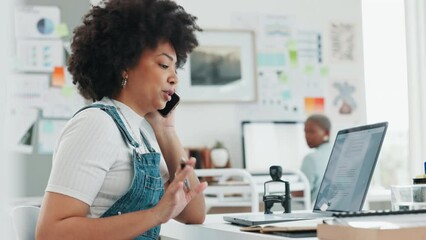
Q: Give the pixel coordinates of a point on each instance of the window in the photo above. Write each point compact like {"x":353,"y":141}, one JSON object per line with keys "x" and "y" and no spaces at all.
{"x":386,"y":87}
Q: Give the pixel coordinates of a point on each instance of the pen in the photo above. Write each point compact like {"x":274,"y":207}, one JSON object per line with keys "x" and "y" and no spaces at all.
{"x":182,"y":166}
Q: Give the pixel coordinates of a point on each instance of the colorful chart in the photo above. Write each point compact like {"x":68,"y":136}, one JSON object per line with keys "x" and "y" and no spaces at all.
{"x":45,"y":26}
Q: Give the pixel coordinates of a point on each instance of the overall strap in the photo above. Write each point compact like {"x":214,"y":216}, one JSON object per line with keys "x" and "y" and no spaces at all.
{"x":111,"y":110}
{"x":147,"y":144}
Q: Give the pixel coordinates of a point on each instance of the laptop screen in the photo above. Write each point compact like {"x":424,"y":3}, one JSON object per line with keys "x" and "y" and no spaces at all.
{"x":350,"y":168}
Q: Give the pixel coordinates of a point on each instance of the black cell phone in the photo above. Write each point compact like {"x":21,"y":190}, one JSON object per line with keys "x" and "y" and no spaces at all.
{"x":170,"y":105}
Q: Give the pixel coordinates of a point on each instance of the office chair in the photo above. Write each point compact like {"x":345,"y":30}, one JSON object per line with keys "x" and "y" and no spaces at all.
{"x":24,"y":220}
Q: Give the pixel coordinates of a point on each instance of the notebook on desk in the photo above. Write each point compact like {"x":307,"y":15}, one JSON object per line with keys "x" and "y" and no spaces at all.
{"x":346,"y":179}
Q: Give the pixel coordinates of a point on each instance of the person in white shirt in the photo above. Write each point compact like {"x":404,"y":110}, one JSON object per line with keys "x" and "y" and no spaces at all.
{"x":317,"y":135}
{"x":116,"y":170}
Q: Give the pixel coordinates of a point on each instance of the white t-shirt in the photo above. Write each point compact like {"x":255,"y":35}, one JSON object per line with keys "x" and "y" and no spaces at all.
{"x":92,"y":161}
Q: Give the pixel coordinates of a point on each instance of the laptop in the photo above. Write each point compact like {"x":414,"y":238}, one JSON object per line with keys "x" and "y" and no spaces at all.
{"x":346,"y":179}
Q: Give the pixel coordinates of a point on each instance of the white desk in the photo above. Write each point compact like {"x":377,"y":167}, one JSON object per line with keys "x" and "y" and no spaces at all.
{"x":214,"y":228}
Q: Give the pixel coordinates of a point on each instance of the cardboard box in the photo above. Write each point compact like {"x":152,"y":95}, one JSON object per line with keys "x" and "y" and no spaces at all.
{"x":338,"y":232}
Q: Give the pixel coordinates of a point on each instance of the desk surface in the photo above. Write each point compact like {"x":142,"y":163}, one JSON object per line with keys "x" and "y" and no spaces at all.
{"x":213,"y":228}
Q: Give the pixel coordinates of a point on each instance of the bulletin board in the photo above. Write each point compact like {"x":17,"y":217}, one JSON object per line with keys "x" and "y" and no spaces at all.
{"x":308,"y":53}
{"x":43,"y":86}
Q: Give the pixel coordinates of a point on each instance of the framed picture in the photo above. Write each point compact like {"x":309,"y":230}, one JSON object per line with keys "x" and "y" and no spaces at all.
{"x":221,"y":69}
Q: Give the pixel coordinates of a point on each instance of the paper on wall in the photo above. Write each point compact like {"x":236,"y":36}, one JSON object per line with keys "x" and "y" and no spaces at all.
{"x":35,"y":55}
{"x":28,"y":90}
{"x":38,"y":22}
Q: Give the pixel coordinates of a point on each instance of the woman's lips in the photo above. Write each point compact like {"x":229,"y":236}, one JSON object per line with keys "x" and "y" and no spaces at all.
{"x":167,"y":95}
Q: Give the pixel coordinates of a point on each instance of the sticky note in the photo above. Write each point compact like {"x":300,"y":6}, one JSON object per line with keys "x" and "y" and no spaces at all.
{"x":283,"y":77}
{"x":286,"y":95}
{"x":309,"y":69}
{"x":292,"y":53}
{"x":58,"y":77}
{"x":47,"y":127}
{"x":324,"y":71}
{"x":314,"y":104}
{"x":67,"y":91}
{"x":62,"y":30}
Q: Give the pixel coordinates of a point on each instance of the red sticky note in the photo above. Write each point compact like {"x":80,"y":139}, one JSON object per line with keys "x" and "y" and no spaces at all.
{"x":58,"y":77}
{"x":313,"y":104}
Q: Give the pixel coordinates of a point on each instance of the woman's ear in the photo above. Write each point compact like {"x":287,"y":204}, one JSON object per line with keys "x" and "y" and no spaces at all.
{"x":326,"y":136}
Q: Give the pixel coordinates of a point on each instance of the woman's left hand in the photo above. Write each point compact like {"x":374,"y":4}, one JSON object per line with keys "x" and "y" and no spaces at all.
{"x":177,"y":196}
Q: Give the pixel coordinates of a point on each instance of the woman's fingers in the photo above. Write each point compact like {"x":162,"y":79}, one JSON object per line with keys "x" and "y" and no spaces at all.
{"x":200,"y":188}
{"x":182,"y":174}
{"x":191,"y":161}
{"x":176,"y":187}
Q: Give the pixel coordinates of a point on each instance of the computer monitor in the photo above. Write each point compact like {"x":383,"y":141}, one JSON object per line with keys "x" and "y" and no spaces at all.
{"x":273,"y":143}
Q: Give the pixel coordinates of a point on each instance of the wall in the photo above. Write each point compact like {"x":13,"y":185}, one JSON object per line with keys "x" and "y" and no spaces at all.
{"x":34,"y":169}
{"x":7,"y":169}
{"x":71,"y":12}
{"x":201,"y":124}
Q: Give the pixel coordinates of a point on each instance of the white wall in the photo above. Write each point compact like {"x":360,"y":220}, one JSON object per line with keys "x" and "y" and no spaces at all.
{"x":202,"y":124}
{"x":7,"y":171}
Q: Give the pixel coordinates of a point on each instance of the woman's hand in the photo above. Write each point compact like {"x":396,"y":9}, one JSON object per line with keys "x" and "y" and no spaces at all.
{"x":177,"y":196}
{"x":156,"y":120}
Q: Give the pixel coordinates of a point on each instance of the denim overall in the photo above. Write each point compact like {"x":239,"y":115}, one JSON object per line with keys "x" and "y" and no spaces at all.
{"x":147,"y":185}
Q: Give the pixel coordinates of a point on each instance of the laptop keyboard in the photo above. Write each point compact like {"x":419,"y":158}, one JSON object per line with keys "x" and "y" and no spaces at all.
{"x":377,"y":213}
{"x":300,"y":215}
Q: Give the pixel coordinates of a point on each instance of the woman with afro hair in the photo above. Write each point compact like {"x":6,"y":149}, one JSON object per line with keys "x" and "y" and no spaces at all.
{"x":116,"y":169}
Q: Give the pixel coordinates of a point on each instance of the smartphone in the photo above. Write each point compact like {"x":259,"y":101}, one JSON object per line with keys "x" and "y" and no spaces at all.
{"x":170,"y":105}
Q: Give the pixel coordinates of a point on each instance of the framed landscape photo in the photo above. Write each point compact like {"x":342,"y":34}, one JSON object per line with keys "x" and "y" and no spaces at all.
{"x":221,"y":69}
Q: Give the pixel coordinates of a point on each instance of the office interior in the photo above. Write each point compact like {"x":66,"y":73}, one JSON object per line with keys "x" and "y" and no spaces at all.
{"x":370,"y":53}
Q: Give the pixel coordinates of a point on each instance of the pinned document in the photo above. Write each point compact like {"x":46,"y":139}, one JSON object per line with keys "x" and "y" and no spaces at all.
{"x":37,"y":22}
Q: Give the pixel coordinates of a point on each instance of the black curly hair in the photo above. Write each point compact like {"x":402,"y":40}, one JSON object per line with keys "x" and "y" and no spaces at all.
{"x":112,"y":39}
